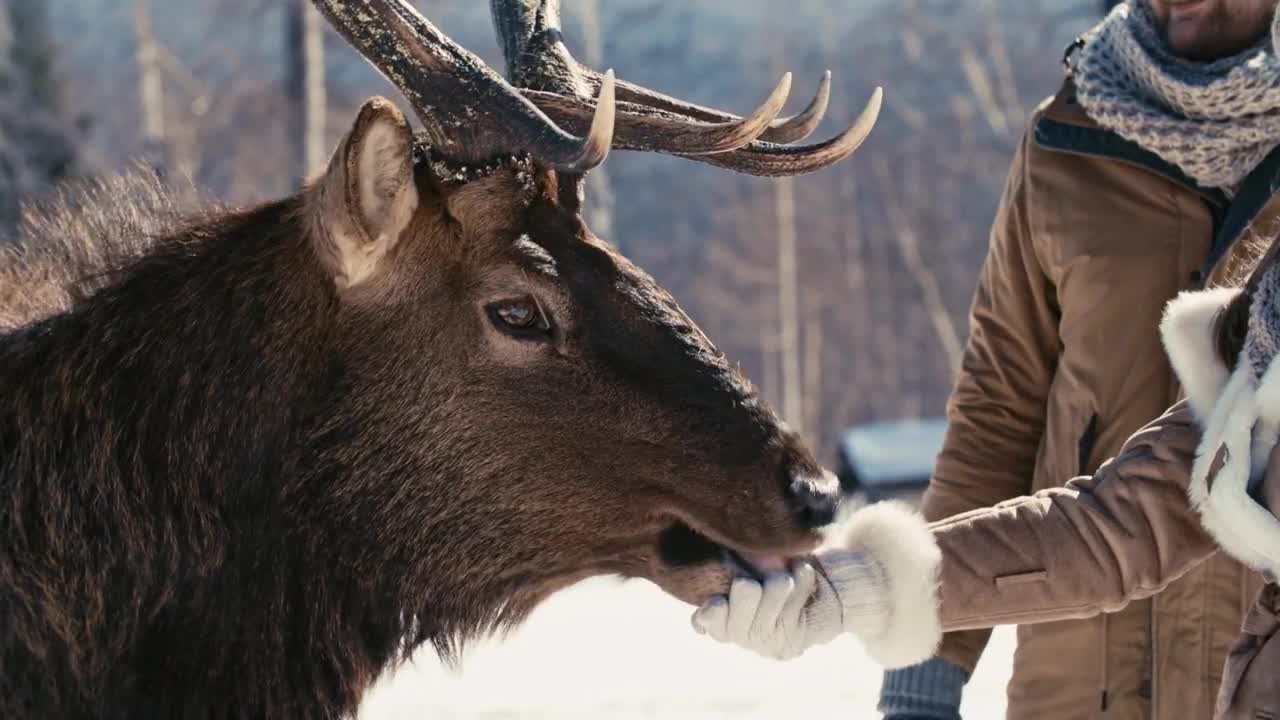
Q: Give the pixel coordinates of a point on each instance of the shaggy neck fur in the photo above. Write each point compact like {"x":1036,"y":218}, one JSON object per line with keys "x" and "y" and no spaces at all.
{"x":168,"y":539}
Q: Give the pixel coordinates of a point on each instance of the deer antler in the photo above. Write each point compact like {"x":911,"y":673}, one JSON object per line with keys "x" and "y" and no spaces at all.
{"x":781,"y":130}
{"x":472,"y":114}
{"x":547,"y":73}
{"x":755,"y":158}
{"x":469,"y":112}
{"x":542,"y":67}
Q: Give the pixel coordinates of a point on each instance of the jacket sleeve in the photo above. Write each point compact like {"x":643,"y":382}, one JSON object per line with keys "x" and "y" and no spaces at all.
{"x":1091,"y":547}
{"x":996,"y":412}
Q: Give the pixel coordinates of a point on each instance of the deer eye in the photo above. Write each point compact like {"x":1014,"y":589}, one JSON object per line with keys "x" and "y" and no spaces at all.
{"x":520,"y":317}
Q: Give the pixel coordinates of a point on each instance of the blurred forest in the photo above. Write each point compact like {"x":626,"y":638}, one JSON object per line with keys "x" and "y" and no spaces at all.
{"x":844,"y":293}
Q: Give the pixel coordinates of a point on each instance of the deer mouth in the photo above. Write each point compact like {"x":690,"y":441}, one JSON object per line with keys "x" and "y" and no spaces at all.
{"x":692,"y":566}
{"x":682,"y":546}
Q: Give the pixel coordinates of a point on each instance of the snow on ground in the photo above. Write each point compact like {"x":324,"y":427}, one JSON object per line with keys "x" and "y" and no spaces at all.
{"x":609,"y":650}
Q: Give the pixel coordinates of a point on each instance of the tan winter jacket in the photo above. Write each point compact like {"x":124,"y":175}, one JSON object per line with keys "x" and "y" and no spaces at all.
{"x":1092,"y":238}
{"x":1148,"y":518}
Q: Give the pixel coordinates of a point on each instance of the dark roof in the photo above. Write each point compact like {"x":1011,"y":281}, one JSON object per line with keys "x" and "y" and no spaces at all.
{"x":892,"y":452}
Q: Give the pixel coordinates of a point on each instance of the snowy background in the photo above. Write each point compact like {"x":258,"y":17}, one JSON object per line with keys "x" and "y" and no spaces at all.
{"x":610,"y":650}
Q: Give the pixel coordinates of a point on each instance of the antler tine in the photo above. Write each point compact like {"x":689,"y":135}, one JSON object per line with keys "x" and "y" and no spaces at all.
{"x":529,"y":32}
{"x":546,"y":72}
{"x":469,"y":112}
{"x":530,"y":36}
{"x":756,"y":158}
{"x":799,"y":126}
{"x":781,"y":130}
{"x":771,"y":160}
{"x":643,"y":128}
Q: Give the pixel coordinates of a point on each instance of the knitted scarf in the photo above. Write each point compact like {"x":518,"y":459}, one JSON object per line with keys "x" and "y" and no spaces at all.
{"x":1262,"y":341}
{"x":1216,"y":121}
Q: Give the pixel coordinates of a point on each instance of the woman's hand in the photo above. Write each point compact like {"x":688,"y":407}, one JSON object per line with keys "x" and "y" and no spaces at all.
{"x":791,"y":612}
{"x":877,"y":583}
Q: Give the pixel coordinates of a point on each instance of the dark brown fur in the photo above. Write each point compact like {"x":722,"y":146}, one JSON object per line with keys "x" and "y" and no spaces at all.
{"x":230,"y":490}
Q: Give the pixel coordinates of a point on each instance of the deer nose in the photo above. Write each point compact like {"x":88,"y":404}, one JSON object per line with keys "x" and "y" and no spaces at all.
{"x":814,"y":498}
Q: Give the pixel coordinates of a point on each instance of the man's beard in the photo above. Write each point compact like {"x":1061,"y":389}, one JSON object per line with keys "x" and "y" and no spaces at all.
{"x":1210,"y":37}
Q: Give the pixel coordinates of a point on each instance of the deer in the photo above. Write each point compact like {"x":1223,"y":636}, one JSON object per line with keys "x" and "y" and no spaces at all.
{"x":251,"y":459}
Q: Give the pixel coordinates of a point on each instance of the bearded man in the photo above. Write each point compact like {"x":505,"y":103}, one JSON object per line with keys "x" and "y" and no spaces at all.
{"x":1145,"y":175}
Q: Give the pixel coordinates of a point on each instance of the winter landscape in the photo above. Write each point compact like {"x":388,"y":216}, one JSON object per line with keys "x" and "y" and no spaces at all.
{"x":888,"y":244}
{"x":843,"y":294}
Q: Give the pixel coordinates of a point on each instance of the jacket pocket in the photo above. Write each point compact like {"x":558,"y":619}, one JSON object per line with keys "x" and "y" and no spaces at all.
{"x":1084,"y":446}
{"x":1023,"y":578}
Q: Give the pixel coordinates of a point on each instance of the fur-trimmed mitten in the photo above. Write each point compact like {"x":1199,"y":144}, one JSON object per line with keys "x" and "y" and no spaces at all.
{"x":876,"y":580}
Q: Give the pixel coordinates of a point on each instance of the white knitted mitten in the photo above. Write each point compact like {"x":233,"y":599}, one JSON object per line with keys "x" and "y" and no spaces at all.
{"x":877,"y":582}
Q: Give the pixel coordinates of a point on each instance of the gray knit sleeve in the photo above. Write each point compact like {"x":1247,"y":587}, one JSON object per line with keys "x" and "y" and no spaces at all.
{"x":928,"y":691}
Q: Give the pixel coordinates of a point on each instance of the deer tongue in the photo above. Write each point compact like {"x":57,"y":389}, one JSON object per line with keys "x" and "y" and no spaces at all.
{"x":764,"y":563}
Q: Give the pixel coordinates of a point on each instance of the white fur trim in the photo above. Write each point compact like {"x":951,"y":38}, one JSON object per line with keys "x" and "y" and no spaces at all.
{"x":1187,"y":331}
{"x":1243,"y":528}
{"x":900,"y":541}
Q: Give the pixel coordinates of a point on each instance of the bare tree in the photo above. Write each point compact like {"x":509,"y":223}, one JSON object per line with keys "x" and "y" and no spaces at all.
{"x":39,"y":140}
{"x":305,"y":87}
{"x":150,"y":89}
{"x":935,"y":306}
{"x":788,"y":302}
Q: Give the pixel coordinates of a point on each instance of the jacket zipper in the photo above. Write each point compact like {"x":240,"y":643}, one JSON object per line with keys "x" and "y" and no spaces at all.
{"x":1106,"y":670}
{"x":1084,"y":448}
{"x":1088,"y":438}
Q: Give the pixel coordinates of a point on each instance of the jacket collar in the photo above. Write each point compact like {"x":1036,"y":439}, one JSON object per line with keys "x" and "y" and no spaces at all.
{"x":1063,"y":126}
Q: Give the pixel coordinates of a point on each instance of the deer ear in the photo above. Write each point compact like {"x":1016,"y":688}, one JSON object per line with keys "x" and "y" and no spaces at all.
{"x":366,"y":197}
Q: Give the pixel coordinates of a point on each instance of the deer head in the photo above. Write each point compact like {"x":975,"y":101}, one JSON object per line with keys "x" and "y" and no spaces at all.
{"x":540,"y":410}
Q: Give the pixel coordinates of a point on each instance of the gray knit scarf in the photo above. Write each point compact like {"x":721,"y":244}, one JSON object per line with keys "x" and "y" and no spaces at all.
{"x":1216,"y":121}
{"x":1262,"y":340}
{"x":1261,"y":345}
